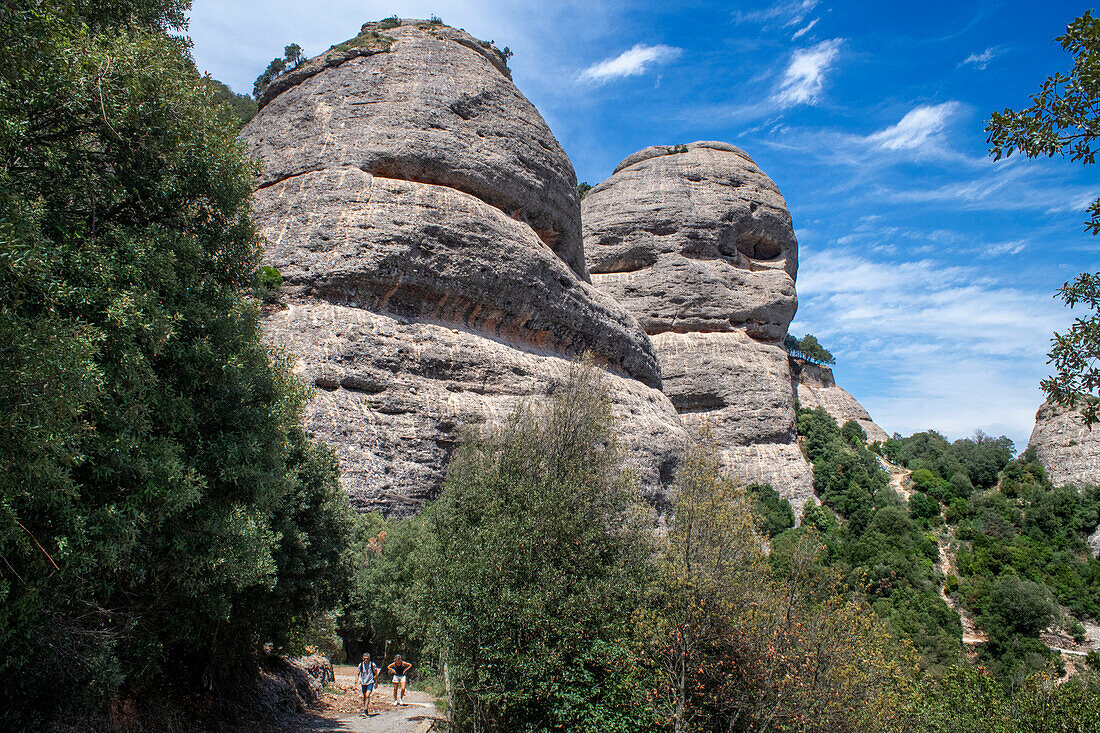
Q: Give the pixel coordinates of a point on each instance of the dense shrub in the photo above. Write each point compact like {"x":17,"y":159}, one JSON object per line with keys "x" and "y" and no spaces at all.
{"x":161,"y":512}
{"x":741,"y":648}
{"x":775,"y":512}
{"x":537,"y":561}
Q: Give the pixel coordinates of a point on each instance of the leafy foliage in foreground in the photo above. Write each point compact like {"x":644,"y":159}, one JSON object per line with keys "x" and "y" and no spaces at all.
{"x":161,"y":512}
{"x":536,"y":563}
{"x":968,"y":699}
{"x":742,"y":648}
{"x":507,"y":581}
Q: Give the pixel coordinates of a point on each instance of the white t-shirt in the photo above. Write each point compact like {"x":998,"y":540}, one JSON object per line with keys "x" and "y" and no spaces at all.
{"x":366,"y":673}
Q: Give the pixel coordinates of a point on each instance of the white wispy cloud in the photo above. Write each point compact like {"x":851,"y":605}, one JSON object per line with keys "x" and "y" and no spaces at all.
{"x":1012,"y":185}
{"x":805,"y":75}
{"x":955,"y":349}
{"x":981,"y":60}
{"x":999,"y":249}
{"x":917,"y":129}
{"x":783,"y":14}
{"x":632,"y":62}
{"x":804,"y":29}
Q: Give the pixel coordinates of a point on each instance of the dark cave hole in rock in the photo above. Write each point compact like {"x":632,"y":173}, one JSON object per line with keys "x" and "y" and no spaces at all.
{"x":758,"y":246}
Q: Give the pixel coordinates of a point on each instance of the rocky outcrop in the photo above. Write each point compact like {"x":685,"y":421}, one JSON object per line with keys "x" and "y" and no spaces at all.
{"x":696,"y":241}
{"x":424,"y":103}
{"x":424,"y":251}
{"x":815,"y":387}
{"x":395,"y":395}
{"x":1068,"y":450}
{"x":427,"y":228}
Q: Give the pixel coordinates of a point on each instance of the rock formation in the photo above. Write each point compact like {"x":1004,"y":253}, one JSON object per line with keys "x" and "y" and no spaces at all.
{"x":696,"y":241}
{"x":429,"y":104}
{"x":815,"y":387}
{"x":427,"y":228}
{"x":1068,"y":450}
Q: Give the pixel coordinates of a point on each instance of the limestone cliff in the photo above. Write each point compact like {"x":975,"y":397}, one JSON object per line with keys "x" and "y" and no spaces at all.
{"x":427,"y":226}
{"x":696,"y":241}
{"x":815,"y":387}
{"x":1068,"y":450}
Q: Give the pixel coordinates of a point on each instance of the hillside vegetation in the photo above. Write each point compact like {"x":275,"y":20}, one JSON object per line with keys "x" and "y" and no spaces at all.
{"x":546,"y":613}
{"x":1017,"y":544}
{"x":166,"y":525}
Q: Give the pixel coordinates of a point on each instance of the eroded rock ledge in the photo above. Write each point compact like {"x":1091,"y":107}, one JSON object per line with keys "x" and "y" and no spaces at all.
{"x":427,"y":226}
{"x":1068,"y":450}
{"x":815,"y":387}
{"x":430,"y":106}
{"x":697,"y":243}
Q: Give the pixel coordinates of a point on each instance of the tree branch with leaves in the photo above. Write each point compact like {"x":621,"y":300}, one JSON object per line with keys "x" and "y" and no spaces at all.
{"x":1064,"y":120}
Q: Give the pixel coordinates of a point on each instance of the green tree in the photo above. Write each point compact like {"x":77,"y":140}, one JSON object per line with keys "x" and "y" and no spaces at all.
{"x":853,"y":433}
{"x":775,"y":512}
{"x":293,"y":55}
{"x":1063,"y":119}
{"x":535,"y":560}
{"x":923,"y":507}
{"x":1018,"y":606}
{"x":381,"y":605}
{"x":158,"y":499}
{"x":808,"y":348}
{"x":270,"y":74}
{"x":814,"y":351}
{"x":243,"y":106}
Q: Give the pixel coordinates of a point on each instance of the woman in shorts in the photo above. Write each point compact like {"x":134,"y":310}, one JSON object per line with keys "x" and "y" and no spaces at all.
{"x":399,"y":669}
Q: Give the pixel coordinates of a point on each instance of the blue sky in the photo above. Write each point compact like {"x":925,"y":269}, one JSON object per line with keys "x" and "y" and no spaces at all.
{"x":926,"y":268}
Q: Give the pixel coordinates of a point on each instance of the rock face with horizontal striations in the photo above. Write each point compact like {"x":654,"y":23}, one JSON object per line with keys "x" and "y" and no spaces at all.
{"x":429,"y":104}
{"x":697,"y":243}
{"x":427,"y":227}
{"x":815,"y":387}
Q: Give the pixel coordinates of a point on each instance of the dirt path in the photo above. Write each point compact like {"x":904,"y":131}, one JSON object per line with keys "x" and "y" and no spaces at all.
{"x":899,"y":482}
{"x":342,"y":709}
{"x":971,"y":633}
{"x":898,"y":478}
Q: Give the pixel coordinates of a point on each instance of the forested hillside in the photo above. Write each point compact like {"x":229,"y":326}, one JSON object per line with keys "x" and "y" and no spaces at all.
{"x":966,"y":528}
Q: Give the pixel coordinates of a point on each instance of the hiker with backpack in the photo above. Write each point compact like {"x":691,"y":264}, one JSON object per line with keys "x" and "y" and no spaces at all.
{"x":365,"y":678}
